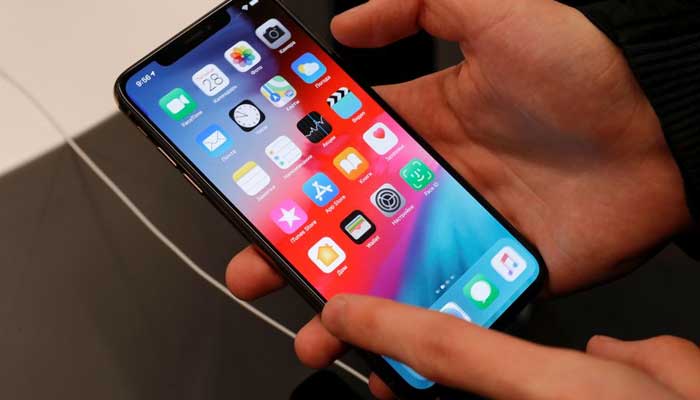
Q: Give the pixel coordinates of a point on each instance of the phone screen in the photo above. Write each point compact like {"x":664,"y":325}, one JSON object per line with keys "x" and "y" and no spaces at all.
{"x":335,"y":184}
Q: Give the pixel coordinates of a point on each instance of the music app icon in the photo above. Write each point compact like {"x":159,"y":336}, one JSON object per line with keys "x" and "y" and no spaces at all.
{"x":509,"y":264}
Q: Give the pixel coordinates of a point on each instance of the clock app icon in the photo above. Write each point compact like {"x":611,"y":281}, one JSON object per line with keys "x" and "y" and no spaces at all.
{"x":247,"y":115}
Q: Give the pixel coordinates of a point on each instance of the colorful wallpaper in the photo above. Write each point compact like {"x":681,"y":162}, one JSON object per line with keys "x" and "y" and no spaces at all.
{"x":332,"y":181}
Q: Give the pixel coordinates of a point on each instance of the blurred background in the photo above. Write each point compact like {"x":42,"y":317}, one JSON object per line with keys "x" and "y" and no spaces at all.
{"x":93,"y":306}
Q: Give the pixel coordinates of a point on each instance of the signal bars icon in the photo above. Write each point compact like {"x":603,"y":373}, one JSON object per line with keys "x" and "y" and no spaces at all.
{"x":251,"y":3}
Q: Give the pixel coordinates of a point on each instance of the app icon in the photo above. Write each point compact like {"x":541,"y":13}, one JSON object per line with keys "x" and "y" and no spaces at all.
{"x":327,"y":255}
{"x":273,"y":34}
{"x":251,"y":178}
{"x":178,"y":104}
{"x":344,"y":103}
{"x":388,"y":200}
{"x":283,"y":152}
{"x":480,"y":291}
{"x":210,"y":80}
{"x":509,"y":264}
{"x":247,"y":116}
{"x":358,"y":227}
{"x":381,"y":139}
{"x":309,"y":68}
{"x":278,"y":91}
{"x":320,"y":189}
{"x":242,"y":56}
{"x":351,"y":163}
{"x":417,"y":174}
{"x":289,"y":216}
{"x":314,"y":127}
{"x":215,"y":141}
{"x":455,"y":310}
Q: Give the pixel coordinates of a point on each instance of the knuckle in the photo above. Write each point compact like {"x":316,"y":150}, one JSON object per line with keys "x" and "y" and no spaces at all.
{"x":675,"y":343}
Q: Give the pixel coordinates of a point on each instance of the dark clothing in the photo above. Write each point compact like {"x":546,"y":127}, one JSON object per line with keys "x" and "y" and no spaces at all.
{"x":661,"y":41}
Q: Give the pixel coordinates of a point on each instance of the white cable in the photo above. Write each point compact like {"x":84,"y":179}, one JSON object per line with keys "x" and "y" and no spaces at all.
{"x":151,"y":227}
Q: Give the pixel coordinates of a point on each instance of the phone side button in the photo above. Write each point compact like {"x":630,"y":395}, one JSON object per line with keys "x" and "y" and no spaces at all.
{"x":194,"y":185}
{"x":167,"y":157}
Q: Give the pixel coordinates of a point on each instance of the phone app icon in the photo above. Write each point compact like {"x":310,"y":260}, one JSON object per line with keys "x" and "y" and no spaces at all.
{"x":278,"y":91}
{"x":289,"y":216}
{"x":247,"y":116}
{"x":283,"y":152}
{"x":480,"y":291}
{"x":273,"y":34}
{"x":381,"y":139}
{"x":178,"y":104}
{"x":358,"y":227}
{"x":210,"y":80}
{"x":242,"y":56}
{"x":309,"y":68}
{"x":455,"y":310}
{"x":251,"y":178}
{"x":509,"y":264}
{"x":344,"y":103}
{"x":351,"y":163}
{"x":320,"y":189}
{"x":417,"y":174}
{"x":314,"y":127}
{"x":388,"y":200}
{"x":327,"y":255}
{"x":215,"y":141}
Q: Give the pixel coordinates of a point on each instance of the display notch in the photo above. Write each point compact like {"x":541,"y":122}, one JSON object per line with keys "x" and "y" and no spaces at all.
{"x":192,"y":38}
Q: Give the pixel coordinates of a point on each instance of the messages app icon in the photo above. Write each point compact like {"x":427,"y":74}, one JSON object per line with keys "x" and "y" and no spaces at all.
{"x":309,"y":68}
{"x":178,"y":104}
{"x":481,"y":292}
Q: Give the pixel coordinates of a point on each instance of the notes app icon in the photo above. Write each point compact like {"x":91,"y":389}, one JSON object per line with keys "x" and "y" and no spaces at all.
{"x":251,"y":178}
{"x":327,"y":255}
{"x":351,"y":163}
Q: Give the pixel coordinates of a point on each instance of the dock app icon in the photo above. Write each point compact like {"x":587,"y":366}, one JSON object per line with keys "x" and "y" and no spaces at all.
{"x":344,"y":103}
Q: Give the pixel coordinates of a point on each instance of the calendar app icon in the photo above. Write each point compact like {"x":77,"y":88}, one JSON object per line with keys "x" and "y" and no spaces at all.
{"x":210,"y":80}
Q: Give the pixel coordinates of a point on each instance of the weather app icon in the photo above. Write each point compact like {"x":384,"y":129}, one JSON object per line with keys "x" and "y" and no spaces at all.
{"x":309,"y":68}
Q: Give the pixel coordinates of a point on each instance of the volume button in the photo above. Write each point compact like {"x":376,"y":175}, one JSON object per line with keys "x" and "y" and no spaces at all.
{"x":167,"y":157}
{"x":142,"y":132}
{"x":194,"y":185}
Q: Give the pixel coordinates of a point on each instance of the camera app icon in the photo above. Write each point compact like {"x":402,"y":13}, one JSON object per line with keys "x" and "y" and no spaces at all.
{"x":273,"y":34}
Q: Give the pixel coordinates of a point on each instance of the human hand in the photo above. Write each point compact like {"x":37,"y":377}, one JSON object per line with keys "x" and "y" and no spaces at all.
{"x":492,"y":364}
{"x":544,"y":118}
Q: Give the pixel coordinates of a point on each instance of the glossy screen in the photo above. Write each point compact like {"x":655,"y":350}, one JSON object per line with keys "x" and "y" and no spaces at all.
{"x":330,"y":179}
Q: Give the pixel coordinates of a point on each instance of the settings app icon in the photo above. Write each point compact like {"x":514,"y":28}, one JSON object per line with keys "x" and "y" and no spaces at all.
{"x":388,"y":200}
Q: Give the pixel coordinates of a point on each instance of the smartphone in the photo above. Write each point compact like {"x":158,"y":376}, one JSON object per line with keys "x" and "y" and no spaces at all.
{"x":317,"y":171}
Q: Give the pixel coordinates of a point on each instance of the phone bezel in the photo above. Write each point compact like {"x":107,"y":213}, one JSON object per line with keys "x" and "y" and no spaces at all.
{"x":241,"y":222}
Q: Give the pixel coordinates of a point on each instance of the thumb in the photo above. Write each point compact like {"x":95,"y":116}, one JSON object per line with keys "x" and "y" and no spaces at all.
{"x":381,"y":22}
{"x":673,"y":361}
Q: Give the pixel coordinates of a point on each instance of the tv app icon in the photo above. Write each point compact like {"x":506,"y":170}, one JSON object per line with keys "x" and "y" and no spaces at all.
{"x":388,"y":200}
{"x":358,"y":227}
{"x":314,"y":127}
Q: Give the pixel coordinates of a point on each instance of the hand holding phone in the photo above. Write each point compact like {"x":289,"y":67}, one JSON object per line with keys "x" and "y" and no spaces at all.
{"x":323,"y":176}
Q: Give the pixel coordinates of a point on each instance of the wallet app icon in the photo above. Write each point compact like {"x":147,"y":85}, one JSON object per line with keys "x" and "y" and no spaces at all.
{"x":215,"y":141}
{"x":344,"y":103}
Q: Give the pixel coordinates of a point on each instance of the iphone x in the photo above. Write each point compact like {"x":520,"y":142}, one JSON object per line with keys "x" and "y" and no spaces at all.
{"x":317,"y":171}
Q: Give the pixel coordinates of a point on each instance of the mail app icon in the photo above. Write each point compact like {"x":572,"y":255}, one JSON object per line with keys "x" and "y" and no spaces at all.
{"x":344,"y":103}
{"x":215,"y":141}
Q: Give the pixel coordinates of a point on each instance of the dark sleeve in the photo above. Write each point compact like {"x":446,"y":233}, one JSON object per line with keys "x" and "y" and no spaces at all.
{"x":661,"y":41}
